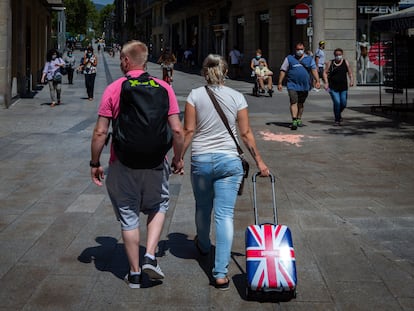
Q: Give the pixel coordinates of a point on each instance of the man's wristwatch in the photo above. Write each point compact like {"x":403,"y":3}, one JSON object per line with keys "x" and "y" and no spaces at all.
{"x":94,"y":164}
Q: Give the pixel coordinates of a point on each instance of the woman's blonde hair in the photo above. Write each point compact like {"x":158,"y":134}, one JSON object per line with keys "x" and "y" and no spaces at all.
{"x":214,"y":69}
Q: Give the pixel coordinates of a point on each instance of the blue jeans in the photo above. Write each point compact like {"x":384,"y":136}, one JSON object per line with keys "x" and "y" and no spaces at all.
{"x":339,"y":103}
{"x":215,"y":178}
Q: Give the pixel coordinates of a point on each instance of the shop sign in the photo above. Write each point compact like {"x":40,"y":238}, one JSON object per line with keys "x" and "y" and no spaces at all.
{"x":376,"y":9}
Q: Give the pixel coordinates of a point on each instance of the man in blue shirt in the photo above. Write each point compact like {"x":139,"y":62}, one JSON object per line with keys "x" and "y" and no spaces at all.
{"x":298,"y":68}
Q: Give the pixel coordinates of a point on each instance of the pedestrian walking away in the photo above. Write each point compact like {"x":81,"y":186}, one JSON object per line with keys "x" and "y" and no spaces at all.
{"x":216,"y":167}
{"x":90,"y":61}
{"x":336,"y":77}
{"x":141,"y":186}
{"x":298,"y":69}
{"x":70,"y":63}
{"x":53,"y":76}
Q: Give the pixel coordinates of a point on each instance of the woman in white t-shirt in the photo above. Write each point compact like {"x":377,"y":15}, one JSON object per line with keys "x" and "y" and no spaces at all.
{"x":216,"y":168}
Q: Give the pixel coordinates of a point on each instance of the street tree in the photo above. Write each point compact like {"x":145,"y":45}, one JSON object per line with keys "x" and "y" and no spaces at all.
{"x":80,"y":16}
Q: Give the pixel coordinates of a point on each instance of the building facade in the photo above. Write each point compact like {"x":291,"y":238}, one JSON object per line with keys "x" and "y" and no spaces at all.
{"x":207,"y":26}
{"x":25,"y":37}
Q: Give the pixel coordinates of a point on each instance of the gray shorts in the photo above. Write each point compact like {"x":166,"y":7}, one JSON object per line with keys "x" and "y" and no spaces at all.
{"x":137,"y":190}
{"x":297,"y":97}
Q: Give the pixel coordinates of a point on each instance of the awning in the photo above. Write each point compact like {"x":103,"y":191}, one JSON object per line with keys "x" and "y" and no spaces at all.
{"x":394,"y":22}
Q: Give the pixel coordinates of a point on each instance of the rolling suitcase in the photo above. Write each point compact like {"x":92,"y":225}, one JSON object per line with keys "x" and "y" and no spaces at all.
{"x":270,"y":257}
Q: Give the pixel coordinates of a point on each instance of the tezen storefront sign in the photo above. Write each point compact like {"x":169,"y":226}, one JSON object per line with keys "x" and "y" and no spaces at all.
{"x":377,"y":9}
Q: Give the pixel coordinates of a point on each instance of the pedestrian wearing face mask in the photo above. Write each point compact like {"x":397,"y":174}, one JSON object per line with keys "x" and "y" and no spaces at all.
{"x":70,"y":62}
{"x":255,"y":61}
{"x":53,"y":77}
{"x":298,"y":69}
{"x":336,"y":76}
{"x":90,"y":61}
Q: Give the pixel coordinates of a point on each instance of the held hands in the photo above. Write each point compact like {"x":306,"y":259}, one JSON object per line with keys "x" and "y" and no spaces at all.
{"x":178,"y":166}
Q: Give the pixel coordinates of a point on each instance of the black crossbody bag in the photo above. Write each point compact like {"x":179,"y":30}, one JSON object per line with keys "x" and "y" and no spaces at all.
{"x":245,"y":164}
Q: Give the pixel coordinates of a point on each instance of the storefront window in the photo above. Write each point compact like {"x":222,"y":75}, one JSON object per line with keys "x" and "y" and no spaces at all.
{"x":372,"y":53}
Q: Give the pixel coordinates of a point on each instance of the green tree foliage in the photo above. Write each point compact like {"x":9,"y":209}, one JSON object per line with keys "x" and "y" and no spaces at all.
{"x":105,"y":17}
{"x":80,"y":16}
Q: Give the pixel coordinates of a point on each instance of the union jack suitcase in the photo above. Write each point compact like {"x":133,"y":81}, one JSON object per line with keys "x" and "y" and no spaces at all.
{"x":270,"y":257}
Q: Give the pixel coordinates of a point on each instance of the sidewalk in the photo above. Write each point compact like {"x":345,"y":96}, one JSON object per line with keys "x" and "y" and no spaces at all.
{"x":345,"y":192}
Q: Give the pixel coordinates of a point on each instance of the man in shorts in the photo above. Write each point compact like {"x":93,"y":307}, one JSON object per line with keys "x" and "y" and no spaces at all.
{"x":298,"y":68}
{"x":136,"y":190}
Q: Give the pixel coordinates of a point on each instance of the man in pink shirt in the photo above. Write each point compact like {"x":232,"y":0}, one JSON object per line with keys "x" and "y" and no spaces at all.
{"x":136,"y":190}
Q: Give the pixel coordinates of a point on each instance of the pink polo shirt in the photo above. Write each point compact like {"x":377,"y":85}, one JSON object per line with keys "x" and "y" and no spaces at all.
{"x":109,"y":106}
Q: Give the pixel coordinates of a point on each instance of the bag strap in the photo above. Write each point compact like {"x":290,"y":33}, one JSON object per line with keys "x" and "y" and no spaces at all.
{"x":223,"y":118}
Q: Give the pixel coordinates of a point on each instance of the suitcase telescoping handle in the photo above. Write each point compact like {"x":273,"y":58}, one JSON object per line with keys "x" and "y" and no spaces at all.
{"x":272,"y":181}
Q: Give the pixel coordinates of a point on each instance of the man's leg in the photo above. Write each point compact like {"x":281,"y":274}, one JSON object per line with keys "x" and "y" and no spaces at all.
{"x":155,"y":224}
{"x":301,"y":100}
{"x":156,"y":200}
{"x":294,"y":110}
{"x":128,"y":215}
{"x":131,"y":242}
{"x":293,"y":98}
{"x":300,"y":110}
{"x":154,"y":227}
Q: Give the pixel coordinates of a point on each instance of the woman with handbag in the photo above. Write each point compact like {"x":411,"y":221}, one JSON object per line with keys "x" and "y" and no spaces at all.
{"x":52,"y":75}
{"x":212,"y":114}
{"x":336,"y":76}
{"x":90,"y":61}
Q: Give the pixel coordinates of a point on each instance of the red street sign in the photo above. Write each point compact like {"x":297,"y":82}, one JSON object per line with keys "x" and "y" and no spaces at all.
{"x":302,"y":10}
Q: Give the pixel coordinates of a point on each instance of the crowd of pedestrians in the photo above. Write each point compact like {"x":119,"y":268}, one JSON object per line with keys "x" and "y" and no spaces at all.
{"x":216,"y":165}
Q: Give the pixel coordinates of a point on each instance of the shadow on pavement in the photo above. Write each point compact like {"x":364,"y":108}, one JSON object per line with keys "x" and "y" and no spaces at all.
{"x":358,"y":126}
{"x":110,"y":256}
{"x":395,"y":114}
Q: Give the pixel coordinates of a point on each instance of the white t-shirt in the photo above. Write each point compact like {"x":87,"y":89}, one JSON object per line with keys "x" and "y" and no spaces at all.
{"x":321,"y":54}
{"x":211,"y":135}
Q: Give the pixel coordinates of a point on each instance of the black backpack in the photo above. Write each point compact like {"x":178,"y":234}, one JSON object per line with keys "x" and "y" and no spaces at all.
{"x":141,"y":133}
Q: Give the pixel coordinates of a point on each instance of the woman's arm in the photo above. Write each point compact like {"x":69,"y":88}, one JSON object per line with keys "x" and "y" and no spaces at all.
{"x":249,"y":141}
{"x":350,"y":75}
{"x":325,"y":75}
{"x":189,"y":126}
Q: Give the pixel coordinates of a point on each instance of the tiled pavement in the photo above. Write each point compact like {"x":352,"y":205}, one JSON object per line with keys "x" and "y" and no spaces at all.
{"x":346,"y":193}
